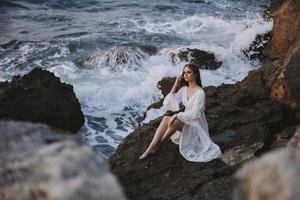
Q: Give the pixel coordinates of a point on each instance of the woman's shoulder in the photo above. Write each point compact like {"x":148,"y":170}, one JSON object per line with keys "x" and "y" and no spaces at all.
{"x":201,"y":91}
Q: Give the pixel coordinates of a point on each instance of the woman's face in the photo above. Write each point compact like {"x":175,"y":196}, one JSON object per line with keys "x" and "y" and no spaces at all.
{"x":188,"y":74}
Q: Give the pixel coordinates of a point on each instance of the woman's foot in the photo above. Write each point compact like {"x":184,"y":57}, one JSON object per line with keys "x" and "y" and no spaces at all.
{"x":148,"y":151}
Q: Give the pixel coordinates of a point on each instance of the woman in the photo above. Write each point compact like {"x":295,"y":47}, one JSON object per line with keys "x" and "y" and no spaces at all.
{"x":190,"y":127}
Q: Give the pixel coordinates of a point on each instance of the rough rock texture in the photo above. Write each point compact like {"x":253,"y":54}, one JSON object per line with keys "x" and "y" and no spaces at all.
{"x":166,"y":84}
{"x":38,"y":163}
{"x":167,"y":175}
{"x":39,"y":96}
{"x":286,"y":27}
{"x":205,"y":60}
{"x":283,"y":72}
{"x":283,"y":78}
{"x":275,"y":176}
{"x":257,"y":47}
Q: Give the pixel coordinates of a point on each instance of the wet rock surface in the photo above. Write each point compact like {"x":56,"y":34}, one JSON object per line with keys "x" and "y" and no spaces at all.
{"x":39,"y":96}
{"x":257,"y":47}
{"x":205,"y":60}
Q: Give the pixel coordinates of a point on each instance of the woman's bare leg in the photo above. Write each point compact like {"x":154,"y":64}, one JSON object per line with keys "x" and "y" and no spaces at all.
{"x":157,"y":137}
{"x":177,"y":125}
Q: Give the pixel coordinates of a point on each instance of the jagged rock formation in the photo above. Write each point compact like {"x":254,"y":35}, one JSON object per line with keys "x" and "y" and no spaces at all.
{"x":39,"y":96}
{"x":205,"y":60}
{"x":167,"y":175}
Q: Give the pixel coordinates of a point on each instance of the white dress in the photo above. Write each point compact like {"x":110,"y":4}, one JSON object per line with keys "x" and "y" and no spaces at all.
{"x":194,"y":141}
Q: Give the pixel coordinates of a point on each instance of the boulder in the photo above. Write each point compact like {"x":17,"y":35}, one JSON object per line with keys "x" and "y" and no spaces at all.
{"x":286,"y":27}
{"x":166,"y":174}
{"x":40,"y":96}
{"x":205,"y":60}
{"x":275,"y":176}
{"x":282,"y":78}
{"x":282,"y":73}
{"x":39,"y":163}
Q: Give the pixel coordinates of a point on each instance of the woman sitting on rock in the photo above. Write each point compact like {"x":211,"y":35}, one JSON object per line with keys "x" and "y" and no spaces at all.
{"x":188,"y":129}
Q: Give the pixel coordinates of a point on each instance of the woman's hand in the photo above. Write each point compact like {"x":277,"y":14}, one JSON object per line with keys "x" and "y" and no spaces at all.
{"x":178,"y":80}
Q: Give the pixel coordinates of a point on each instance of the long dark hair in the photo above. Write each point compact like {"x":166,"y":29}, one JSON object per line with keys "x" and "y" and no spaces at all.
{"x":195,"y":69}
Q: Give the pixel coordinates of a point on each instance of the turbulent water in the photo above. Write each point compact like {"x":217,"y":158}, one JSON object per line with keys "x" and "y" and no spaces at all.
{"x":115,"y":52}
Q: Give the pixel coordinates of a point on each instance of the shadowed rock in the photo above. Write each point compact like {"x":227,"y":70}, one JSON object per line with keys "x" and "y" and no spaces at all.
{"x":166,"y":174}
{"x":257,"y":47}
{"x":275,"y":176}
{"x":39,"y":163}
{"x":205,"y":60}
{"x":39,"y":96}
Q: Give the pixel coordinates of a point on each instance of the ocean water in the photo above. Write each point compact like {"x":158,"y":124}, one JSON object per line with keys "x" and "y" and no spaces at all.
{"x":85,"y":43}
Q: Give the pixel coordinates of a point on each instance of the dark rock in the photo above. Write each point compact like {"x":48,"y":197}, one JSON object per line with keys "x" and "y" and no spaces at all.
{"x":275,"y":4}
{"x":156,"y":105}
{"x":205,"y":60}
{"x":165,"y":85}
{"x":167,"y":175}
{"x":39,"y":96}
{"x":257,"y":47}
{"x":39,"y":163}
{"x":281,"y":139}
{"x":269,"y":12}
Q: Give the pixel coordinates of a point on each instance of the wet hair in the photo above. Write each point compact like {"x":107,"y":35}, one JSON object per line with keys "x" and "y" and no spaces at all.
{"x":195,"y":69}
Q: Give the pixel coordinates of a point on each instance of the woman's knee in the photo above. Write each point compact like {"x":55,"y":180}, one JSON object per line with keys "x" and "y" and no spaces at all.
{"x":165,"y":118}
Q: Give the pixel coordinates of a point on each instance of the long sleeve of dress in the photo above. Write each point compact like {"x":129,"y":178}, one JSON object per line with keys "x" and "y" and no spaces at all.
{"x":188,"y":117}
{"x":172,"y":101}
